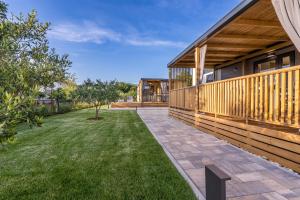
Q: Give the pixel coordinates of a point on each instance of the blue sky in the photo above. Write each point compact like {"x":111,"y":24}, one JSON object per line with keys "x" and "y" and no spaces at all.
{"x":124,"y":39}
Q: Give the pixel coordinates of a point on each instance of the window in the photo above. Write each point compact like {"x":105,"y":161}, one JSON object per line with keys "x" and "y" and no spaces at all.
{"x":266,"y":66}
{"x":286,"y":60}
{"x":276,"y":62}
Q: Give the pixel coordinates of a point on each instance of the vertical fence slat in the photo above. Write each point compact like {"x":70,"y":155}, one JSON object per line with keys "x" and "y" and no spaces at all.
{"x":290,"y":97}
{"x":244,"y":97}
{"x":261,"y":97}
{"x":231,"y":99}
{"x":218,"y":103}
{"x":277,"y":97}
{"x":283,"y":97}
{"x":297,"y":91}
{"x":252,"y":99}
{"x":248,"y":98}
{"x":236,"y":101}
{"x":227,"y":95}
{"x":240,"y":98}
{"x":256,"y":98}
{"x":266,"y":99}
{"x":271,"y":105}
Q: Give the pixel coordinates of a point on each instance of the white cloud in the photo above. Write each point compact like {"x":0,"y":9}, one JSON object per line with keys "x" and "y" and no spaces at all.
{"x":154,"y":42}
{"x":90,"y":32}
{"x":86,"y":32}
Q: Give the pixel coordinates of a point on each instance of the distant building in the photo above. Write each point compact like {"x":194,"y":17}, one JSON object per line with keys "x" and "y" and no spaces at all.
{"x":153,"y":90}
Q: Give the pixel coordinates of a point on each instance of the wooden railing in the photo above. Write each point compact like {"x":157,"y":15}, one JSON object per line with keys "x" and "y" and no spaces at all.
{"x":271,"y":97}
{"x":183,"y":98}
{"x":155,"y":98}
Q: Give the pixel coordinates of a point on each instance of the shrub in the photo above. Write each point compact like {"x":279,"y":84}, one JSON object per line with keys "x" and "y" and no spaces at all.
{"x":82,"y":105}
{"x":65,"y":108}
{"x":43,"y":111}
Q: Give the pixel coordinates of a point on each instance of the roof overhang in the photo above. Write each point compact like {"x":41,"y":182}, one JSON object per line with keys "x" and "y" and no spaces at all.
{"x":250,"y":27}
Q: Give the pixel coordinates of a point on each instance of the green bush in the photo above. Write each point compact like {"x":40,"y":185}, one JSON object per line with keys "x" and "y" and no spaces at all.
{"x":82,"y":105}
{"x":47,"y":110}
{"x":65,"y":108}
{"x":43,"y":111}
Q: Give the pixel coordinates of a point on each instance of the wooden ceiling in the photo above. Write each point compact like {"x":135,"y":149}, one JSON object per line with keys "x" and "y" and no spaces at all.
{"x":255,"y":29}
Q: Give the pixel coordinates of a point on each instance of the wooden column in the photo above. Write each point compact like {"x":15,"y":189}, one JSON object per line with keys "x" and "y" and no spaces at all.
{"x":197,"y":77}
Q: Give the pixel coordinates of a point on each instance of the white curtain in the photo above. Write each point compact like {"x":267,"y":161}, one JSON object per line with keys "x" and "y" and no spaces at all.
{"x":199,"y":64}
{"x":288,"y":12}
{"x":202,"y":61}
{"x":194,"y":77}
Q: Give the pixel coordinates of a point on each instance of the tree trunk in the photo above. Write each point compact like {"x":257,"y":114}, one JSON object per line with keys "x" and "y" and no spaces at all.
{"x":97,"y":113}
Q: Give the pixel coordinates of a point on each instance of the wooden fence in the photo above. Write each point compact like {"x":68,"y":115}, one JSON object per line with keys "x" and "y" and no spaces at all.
{"x":271,"y":97}
{"x":183,"y":98}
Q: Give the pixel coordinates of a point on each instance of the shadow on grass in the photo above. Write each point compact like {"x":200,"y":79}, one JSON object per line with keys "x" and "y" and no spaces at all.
{"x":95,"y":118}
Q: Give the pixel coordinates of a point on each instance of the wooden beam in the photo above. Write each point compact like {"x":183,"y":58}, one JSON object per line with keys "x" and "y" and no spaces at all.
{"x":221,"y":56}
{"x":209,"y":66}
{"x":270,"y":49}
{"x":183,"y":65}
{"x":187,"y":61}
{"x":188,"y":57}
{"x":261,"y":23}
{"x":216,"y":59}
{"x":234,"y":46}
{"x":251,"y":37}
{"x":214,"y":62}
{"x":226,"y":52}
{"x":207,"y":59}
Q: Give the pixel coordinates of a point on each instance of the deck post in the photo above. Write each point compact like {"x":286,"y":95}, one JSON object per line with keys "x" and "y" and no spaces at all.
{"x":215,"y":183}
{"x":197,"y":77}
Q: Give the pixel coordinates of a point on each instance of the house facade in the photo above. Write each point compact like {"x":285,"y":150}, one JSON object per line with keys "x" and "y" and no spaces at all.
{"x":240,"y":81}
{"x":153,"y":90}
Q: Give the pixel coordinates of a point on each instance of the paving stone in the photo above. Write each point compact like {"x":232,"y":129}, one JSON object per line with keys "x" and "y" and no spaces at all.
{"x":253,"y":178}
{"x":274,"y":196}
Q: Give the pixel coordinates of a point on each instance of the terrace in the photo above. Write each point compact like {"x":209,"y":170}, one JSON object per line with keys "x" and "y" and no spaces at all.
{"x":252,"y":98}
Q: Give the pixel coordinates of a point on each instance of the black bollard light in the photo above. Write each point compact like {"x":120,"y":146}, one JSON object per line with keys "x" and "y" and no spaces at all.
{"x":215,"y":180}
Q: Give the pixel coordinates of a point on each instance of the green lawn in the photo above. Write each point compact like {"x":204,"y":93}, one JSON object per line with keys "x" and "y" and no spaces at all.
{"x":71,"y":157}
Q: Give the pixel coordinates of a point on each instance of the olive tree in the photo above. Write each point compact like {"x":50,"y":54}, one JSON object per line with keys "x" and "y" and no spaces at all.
{"x":27,"y":64}
{"x":92,"y":92}
{"x":112,"y":93}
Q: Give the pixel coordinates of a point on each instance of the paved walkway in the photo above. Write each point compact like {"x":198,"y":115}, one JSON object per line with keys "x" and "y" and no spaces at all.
{"x":253,"y":178}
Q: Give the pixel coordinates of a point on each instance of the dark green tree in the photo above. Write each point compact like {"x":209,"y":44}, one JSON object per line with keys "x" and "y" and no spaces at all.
{"x":112,"y":93}
{"x":59,"y":95}
{"x":93,"y":93}
{"x":27,"y":64}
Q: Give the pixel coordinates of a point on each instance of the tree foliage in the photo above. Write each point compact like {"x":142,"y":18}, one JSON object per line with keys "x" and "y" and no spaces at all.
{"x":97,"y":93}
{"x":112,"y":92}
{"x":27,"y":64}
{"x":126,"y":90}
